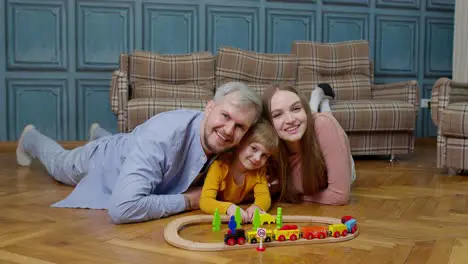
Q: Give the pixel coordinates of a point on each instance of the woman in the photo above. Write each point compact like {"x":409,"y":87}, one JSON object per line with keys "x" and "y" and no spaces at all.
{"x":316,"y":162}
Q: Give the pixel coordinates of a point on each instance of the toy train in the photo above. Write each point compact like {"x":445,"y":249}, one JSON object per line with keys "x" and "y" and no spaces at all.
{"x":292,"y":232}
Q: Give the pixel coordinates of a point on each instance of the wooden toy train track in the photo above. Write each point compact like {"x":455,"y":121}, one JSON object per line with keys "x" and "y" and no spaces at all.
{"x":171,"y":233}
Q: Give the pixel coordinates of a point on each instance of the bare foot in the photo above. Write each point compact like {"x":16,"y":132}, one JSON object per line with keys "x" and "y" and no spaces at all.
{"x":22,"y":157}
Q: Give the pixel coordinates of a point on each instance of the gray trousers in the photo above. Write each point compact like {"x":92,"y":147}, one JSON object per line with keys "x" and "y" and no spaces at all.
{"x":65,"y":166}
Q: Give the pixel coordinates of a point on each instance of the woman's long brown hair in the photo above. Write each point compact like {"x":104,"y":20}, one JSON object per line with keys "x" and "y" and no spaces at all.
{"x":314,"y":170}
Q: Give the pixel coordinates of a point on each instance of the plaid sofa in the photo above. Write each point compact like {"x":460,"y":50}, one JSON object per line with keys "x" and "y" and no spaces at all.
{"x":449,"y":112}
{"x":379,"y":119}
{"x":257,"y":70}
{"x":147,"y":83}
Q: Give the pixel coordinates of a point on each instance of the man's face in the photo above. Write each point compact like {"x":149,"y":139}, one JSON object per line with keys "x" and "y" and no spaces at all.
{"x":226,"y":123}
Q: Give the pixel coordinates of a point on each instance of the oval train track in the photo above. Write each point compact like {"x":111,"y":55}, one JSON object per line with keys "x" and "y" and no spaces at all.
{"x":171,"y":233}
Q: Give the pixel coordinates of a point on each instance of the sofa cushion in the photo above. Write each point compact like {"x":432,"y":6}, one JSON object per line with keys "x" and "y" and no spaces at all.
{"x":254,"y":68}
{"x":344,"y":65}
{"x":455,"y":120}
{"x":176,"y":69}
{"x":367,"y":116}
{"x":142,"y":109}
{"x":345,"y":86}
{"x":166,"y":90}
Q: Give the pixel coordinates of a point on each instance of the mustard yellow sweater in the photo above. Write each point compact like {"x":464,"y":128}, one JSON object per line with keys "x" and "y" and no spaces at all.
{"x":220,"y":191}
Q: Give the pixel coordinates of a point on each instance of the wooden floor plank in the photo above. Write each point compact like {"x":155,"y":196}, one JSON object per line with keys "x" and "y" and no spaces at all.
{"x":408,"y":212}
{"x":8,"y":257}
{"x":459,"y":251}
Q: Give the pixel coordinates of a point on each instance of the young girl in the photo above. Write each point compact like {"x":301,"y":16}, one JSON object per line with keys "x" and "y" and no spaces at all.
{"x":235,"y":174}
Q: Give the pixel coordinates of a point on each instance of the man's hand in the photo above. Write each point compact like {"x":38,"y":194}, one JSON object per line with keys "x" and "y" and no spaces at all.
{"x":231,"y":211}
{"x":192,"y":198}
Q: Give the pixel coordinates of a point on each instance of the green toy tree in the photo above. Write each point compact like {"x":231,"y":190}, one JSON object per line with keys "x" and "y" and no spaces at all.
{"x":279,"y":217}
{"x":238,"y":217}
{"x":216,"y":221}
{"x":256,"y":220}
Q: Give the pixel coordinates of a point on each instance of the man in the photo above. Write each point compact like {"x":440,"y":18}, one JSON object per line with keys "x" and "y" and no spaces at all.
{"x":146,"y":174}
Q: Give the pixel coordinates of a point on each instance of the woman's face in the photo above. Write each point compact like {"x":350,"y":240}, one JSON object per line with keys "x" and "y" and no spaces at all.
{"x":288,"y":115}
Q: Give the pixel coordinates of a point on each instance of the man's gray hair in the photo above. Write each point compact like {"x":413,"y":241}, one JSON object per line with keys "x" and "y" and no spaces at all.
{"x":247,"y":96}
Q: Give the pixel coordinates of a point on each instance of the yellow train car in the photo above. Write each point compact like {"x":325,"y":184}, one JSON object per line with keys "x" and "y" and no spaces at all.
{"x":252,"y":236}
{"x":337,"y":230}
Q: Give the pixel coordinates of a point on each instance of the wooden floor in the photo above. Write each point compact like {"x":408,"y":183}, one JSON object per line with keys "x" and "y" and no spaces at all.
{"x":408,"y":212}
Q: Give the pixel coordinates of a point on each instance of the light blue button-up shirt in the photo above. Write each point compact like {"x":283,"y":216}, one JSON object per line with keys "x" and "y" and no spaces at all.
{"x":140,"y":176}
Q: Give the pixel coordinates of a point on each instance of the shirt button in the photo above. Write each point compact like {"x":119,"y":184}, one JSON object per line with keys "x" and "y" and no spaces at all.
{"x":203,"y":158}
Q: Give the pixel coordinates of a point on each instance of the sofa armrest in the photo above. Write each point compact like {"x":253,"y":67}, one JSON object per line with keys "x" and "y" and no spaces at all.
{"x":119,"y":96}
{"x":444,"y":92}
{"x":407,"y":91}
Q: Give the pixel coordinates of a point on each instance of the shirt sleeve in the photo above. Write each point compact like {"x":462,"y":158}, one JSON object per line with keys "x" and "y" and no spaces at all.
{"x":141,"y":173}
{"x":211,"y":186}
{"x":262,"y":192}
{"x":335,"y":149}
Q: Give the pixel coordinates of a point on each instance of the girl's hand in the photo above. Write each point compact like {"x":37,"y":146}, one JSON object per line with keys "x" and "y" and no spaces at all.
{"x":231,"y":211}
{"x":251,"y":211}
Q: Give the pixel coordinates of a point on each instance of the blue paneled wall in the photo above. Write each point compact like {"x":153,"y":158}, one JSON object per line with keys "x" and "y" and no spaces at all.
{"x":56,"y":56}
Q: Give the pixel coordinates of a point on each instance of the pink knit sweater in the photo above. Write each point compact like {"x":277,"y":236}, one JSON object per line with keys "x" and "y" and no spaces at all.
{"x":335,"y":148}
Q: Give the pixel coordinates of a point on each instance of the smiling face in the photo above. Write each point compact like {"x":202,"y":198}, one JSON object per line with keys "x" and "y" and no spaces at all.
{"x":225,"y":124}
{"x":288,"y":116}
{"x":253,"y":155}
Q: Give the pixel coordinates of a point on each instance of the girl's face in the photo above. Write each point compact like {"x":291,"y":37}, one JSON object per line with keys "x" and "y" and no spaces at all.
{"x":288,"y":115}
{"x":253,"y":156}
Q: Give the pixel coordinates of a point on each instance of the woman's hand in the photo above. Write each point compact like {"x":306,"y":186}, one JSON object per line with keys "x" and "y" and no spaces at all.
{"x":251,"y":211}
{"x":231,"y":211}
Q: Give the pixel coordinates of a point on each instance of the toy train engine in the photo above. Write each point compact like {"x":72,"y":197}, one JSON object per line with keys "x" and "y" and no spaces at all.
{"x":311,"y":232}
{"x":287,"y":232}
{"x":346,"y":218}
{"x":350,"y":223}
{"x":237,"y":237}
{"x":351,"y":226}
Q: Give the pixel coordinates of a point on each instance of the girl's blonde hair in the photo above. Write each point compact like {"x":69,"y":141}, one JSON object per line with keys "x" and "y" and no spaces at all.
{"x":263,"y":133}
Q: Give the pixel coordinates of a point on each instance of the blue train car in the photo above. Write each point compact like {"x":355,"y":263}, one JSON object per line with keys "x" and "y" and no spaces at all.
{"x":351,"y":225}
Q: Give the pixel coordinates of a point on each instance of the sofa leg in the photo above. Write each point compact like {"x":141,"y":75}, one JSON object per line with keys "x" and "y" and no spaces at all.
{"x":392,"y":158}
{"x":456,"y":172}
